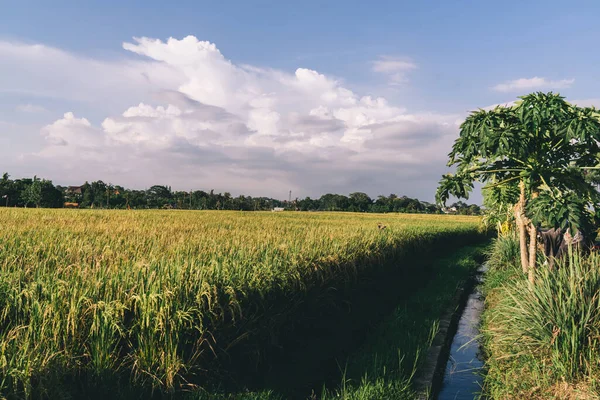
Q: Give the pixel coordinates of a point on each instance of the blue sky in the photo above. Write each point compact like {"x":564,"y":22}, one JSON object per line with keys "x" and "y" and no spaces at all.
{"x":245,"y":116}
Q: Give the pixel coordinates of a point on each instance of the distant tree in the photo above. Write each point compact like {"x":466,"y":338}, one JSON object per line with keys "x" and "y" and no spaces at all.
{"x":308,"y":204}
{"x":414,"y":206}
{"x":136,"y":199}
{"x":6,"y":190}
{"x":32,"y":193}
{"x":381,"y":204}
{"x":227,"y":201}
{"x":159,"y":196}
{"x":99,"y":194}
{"x":334,"y":202}
{"x":94,"y":194}
{"x":361,"y":201}
{"x":51,"y":197}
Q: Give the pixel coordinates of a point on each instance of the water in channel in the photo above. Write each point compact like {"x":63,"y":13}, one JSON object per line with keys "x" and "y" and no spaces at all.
{"x":463,"y":374}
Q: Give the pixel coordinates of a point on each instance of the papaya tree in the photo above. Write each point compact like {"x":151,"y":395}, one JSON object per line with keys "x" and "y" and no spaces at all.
{"x":540,"y":150}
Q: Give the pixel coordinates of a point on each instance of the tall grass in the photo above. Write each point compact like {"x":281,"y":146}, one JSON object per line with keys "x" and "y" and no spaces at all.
{"x":385,"y":365}
{"x":504,"y":252}
{"x":165,"y":300}
{"x":543,"y":339}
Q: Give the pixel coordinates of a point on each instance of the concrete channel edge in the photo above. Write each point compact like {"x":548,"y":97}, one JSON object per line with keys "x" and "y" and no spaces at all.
{"x":430,"y":375}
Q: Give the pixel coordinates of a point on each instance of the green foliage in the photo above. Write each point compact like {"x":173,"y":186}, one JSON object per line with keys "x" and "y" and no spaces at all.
{"x":157,"y":196}
{"x":500,"y":195}
{"x":504,"y":252}
{"x":205,"y":395}
{"x":465,"y":209}
{"x":563,"y":210}
{"x":362,"y":201}
{"x":542,"y":140}
{"x":51,"y":197}
{"x":29,"y":192}
{"x":541,"y":341}
{"x":541,"y":338}
{"x":456,"y":185}
{"x":102,"y":195}
{"x":32,"y":194}
{"x":162,"y":300}
{"x":384,"y":366}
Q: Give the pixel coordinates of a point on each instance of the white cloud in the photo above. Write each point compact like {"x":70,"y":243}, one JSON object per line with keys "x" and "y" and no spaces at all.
{"x":191,"y":118}
{"x":30,"y":108}
{"x":49,"y":73}
{"x":394,"y":68}
{"x":535,"y":83}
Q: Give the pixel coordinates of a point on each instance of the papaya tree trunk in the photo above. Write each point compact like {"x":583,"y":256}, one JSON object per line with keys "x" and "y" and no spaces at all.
{"x":522,"y":240}
{"x":532,"y":252}
{"x":532,"y":244}
{"x":521,"y":223}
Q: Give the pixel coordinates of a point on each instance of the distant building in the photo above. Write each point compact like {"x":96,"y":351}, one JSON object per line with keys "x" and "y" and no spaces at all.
{"x":74,"y":190}
{"x":449,"y":210}
{"x":278,"y":209}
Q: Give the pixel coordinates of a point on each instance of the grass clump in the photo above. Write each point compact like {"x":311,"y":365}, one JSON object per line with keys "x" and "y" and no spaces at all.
{"x":504,"y":253}
{"x":543,"y":341}
{"x":385,"y":365}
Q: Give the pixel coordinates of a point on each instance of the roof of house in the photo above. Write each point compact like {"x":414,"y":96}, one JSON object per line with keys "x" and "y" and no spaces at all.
{"x":74,"y":189}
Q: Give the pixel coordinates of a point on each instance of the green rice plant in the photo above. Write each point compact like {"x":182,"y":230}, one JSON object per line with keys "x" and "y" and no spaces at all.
{"x":385,"y":365}
{"x":172,"y":300}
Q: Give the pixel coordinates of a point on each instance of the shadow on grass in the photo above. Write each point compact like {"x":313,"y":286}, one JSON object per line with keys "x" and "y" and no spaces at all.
{"x":320,"y":339}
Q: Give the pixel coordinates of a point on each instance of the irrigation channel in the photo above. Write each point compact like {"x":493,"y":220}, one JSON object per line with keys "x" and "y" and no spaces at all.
{"x":463,"y":373}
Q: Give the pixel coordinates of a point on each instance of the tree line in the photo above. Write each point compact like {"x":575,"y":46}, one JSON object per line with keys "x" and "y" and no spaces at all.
{"x":36,"y":192}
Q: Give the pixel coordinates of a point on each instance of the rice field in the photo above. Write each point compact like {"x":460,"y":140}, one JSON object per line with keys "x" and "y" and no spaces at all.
{"x":170,"y":300}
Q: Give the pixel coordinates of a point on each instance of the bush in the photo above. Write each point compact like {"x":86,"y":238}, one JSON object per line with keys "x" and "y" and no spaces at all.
{"x":547,"y":335}
{"x":504,"y":252}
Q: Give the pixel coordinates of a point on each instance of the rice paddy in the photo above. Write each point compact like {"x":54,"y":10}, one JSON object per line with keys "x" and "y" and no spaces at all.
{"x":174,"y":300}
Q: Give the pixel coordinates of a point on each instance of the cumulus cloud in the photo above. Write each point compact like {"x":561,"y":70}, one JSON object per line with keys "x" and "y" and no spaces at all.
{"x":40,"y":71}
{"x":394,"y":68}
{"x":201,"y":121}
{"x":535,"y":83}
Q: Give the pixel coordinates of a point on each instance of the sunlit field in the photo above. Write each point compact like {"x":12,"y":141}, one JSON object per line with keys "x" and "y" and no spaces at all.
{"x":168,"y":300}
